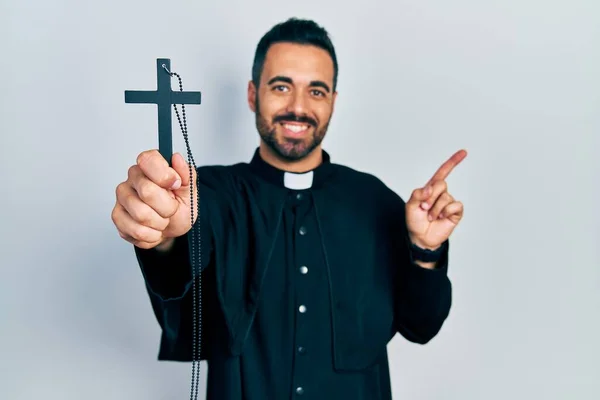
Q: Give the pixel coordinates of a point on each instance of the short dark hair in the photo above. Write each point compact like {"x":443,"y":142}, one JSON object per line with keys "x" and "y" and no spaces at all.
{"x":294,"y":30}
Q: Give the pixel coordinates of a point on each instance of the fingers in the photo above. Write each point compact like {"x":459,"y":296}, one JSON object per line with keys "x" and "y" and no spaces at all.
{"x":435,"y":198}
{"x":437,"y":188}
{"x":453,"y":211}
{"x":149,"y":199}
{"x":442,"y":173}
{"x":134,"y":232}
{"x":442,"y":201}
{"x":157,"y":170}
{"x":161,"y":200}
{"x":419,"y":195}
{"x":141,"y":212}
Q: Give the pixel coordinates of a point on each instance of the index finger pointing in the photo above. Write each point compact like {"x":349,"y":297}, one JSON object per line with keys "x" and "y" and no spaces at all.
{"x":447,"y":167}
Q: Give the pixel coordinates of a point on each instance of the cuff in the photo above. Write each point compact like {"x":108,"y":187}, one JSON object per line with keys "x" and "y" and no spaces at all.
{"x":167,"y":274}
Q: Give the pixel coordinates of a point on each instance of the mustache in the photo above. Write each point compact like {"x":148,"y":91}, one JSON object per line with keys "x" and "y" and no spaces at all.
{"x":295,"y":118}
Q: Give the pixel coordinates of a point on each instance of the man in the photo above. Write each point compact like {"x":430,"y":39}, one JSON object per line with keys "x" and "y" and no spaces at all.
{"x":309,"y":268}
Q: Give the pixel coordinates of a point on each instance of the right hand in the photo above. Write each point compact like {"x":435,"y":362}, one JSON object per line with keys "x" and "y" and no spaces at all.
{"x":153,"y":204}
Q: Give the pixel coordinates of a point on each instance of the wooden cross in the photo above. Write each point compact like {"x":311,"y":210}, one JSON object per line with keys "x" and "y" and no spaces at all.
{"x":164,"y":98}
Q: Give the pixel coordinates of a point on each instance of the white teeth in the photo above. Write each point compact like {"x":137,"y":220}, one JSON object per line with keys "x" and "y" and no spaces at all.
{"x":295,"y":128}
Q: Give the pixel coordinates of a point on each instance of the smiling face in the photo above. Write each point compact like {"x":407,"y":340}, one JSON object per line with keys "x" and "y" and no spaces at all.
{"x":294,"y":102}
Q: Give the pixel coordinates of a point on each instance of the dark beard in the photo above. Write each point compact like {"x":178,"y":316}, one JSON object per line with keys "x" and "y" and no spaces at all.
{"x":291,"y":149}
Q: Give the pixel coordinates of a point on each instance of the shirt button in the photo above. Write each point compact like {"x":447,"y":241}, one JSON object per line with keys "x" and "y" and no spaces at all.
{"x":303,"y":270}
{"x":299,"y":196}
{"x":302,"y":309}
{"x":299,"y":390}
{"x":302,"y":230}
{"x":301,"y":350}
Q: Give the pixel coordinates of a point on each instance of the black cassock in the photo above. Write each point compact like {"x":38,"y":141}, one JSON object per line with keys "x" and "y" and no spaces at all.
{"x":306,"y":278}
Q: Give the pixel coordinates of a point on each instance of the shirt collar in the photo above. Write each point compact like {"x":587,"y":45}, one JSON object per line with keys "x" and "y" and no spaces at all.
{"x":292,"y":180}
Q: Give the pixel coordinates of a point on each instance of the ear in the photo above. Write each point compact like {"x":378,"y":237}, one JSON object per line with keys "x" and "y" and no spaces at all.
{"x":252,"y":96}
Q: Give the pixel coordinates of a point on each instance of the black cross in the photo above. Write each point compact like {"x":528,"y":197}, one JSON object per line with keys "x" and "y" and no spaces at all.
{"x":164,"y":97}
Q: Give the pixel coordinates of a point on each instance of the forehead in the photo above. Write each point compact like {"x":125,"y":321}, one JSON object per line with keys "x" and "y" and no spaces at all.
{"x":301,"y":63}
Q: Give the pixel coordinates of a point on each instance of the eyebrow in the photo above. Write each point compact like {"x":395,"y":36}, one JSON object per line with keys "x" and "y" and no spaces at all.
{"x":289,"y":80}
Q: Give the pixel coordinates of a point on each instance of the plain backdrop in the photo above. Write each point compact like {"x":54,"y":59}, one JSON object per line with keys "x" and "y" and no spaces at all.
{"x":515,"y":82}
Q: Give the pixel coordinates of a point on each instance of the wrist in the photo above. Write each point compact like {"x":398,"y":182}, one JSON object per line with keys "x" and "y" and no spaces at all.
{"x":165,"y":245}
{"x":426,"y":254}
{"x":419,"y":244}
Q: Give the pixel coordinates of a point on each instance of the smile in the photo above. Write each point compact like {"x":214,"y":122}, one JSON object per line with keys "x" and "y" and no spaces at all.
{"x":296,"y":128}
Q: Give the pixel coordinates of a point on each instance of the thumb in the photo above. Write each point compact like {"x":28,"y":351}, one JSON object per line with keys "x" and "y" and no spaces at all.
{"x":182,"y":168}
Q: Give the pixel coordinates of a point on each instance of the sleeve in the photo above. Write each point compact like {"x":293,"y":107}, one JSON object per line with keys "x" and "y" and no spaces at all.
{"x":169,"y":283}
{"x":168,"y":275}
{"x":423,"y":296}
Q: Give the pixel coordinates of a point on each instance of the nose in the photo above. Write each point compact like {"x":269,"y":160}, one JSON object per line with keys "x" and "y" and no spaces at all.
{"x":298,"y":103}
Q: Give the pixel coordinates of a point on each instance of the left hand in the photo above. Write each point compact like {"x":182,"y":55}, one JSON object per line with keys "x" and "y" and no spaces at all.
{"x":431,"y":212}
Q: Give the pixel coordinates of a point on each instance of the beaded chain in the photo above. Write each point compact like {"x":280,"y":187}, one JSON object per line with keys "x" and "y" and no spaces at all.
{"x":196,"y":289}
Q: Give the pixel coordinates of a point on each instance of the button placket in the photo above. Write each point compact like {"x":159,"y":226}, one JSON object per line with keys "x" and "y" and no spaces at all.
{"x":303,"y":284}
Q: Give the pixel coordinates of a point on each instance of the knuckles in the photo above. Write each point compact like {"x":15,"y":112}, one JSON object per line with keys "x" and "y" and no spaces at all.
{"x":147,"y":217}
{"x":121,"y":191}
{"x":446,"y":197}
{"x":114,"y":215}
{"x":132,"y":172}
{"x":143,"y":215}
{"x":124,"y":236}
{"x":171,"y":212}
{"x":145,"y":157}
{"x":147,"y":190}
{"x":143,"y":234}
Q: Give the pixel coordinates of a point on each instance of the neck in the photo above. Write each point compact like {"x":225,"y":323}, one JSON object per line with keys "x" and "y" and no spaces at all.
{"x":310,"y":162}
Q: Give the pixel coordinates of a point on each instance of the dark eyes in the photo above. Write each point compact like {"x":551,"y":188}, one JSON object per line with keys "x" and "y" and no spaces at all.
{"x":314,"y":92}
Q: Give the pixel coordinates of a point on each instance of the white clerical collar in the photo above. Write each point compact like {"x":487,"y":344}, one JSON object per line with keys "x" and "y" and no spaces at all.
{"x":313,"y":179}
{"x":298,"y":181}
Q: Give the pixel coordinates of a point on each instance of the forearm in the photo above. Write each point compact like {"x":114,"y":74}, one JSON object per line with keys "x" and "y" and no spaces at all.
{"x":166,"y":268}
{"x":424,"y":299}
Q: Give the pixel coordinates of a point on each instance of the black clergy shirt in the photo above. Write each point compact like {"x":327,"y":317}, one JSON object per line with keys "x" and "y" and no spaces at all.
{"x":296,"y":303}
